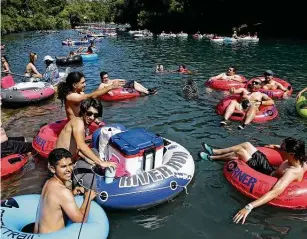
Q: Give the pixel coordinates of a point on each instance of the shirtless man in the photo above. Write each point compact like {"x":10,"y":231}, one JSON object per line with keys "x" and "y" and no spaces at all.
{"x":105,"y":81}
{"x":250,"y":103}
{"x":57,"y":201}
{"x":72,"y":136}
{"x":292,"y":169}
{"x":229,"y":75}
{"x":270,"y":84}
{"x":71,"y":92}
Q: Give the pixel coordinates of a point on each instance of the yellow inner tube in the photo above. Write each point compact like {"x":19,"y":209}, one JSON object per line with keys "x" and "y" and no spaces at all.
{"x":301,"y":106}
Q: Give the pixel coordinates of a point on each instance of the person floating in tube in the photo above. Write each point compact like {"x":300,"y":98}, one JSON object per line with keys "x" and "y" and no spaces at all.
{"x":105,"y":81}
{"x":269,"y":84}
{"x":251,"y":100}
{"x":72,"y":136}
{"x":231,"y":74}
{"x":292,"y":169}
{"x":57,"y":203}
{"x":71,"y":92}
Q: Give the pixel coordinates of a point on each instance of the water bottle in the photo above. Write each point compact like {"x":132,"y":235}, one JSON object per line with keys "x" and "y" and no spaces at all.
{"x":109,"y":175}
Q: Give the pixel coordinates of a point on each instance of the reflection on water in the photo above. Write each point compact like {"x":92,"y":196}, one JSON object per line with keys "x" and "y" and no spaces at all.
{"x":207,"y":210}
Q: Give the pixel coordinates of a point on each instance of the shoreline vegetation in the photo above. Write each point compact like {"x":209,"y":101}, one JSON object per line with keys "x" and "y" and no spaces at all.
{"x":220,"y":16}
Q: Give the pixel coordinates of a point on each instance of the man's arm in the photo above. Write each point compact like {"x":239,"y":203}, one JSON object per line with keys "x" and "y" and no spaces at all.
{"x":237,"y":78}
{"x":77,"y":98}
{"x":300,"y":93}
{"x":277,"y":189}
{"x":78,"y":133}
{"x":218,"y":76}
{"x":266,"y":100}
{"x":280,"y":86}
{"x":237,"y":91}
{"x":68,"y":204}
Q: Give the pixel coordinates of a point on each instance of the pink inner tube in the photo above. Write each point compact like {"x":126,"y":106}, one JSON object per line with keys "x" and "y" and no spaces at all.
{"x":38,"y":94}
{"x":275,"y":94}
{"x":44,"y":141}
{"x":120,"y":94}
{"x":225,"y":84}
{"x":255,"y":184}
{"x":265,"y":113}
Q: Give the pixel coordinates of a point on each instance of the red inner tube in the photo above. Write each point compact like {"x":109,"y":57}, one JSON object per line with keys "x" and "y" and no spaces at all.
{"x":264,"y":114}
{"x":225,"y":84}
{"x":44,"y":141}
{"x":12,"y":163}
{"x":120,"y":94}
{"x":255,"y":184}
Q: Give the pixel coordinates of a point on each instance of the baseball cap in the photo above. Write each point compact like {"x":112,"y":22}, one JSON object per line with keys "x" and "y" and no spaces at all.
{"x":269,"y":73}
{"x":48,"y":58}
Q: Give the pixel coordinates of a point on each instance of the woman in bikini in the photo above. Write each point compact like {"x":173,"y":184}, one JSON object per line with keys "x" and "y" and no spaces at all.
{"x":31,"y":70}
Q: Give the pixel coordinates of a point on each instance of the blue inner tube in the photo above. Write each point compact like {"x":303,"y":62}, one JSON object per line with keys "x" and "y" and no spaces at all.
{"x":89,"y":57}
{"x":68,"y":61}
{"x":20,"y":211}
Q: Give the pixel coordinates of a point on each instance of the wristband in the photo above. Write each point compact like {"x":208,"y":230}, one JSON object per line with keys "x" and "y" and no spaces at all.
{"x":249,"y":207}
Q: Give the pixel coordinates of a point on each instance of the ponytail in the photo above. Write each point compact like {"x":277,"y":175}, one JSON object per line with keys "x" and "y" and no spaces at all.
{"x":63,"y":91}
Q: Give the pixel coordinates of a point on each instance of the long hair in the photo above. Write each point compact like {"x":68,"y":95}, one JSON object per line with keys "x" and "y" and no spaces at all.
{"x":32,"y":57}
{"x":5,"y":58}
{"x":65,"y":87}
{"x":297,"y":147}
{"x":86,"y":104}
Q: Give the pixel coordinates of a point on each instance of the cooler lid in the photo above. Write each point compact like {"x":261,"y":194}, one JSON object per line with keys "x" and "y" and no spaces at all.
{"x":134,"y":140}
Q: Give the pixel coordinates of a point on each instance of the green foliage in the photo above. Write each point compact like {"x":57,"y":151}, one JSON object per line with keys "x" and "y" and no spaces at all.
{"x":24,"y":15}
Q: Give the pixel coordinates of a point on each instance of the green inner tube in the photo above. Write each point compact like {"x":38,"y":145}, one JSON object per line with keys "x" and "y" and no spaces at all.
{"x":301,"y":106}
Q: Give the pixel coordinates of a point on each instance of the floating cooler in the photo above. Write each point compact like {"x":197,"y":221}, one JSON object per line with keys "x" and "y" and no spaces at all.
{"x":139,"y":149}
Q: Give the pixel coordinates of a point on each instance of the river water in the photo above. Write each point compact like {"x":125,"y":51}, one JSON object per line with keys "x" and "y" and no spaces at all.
{"x":211,"y":202}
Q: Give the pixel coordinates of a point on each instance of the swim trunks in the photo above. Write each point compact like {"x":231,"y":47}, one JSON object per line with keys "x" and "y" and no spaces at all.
{"x":260,"y":163}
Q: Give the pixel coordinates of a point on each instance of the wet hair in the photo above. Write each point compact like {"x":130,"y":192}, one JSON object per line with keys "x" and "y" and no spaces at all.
{"x":65,"y":87}
{"x":57,"y":154}
{"x":102,"y":73}
{"x":32,"y":57}
{"x":295,"y":146}
{"x":86,"y":104}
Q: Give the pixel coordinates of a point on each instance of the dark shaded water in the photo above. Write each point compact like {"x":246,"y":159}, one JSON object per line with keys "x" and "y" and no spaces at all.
{"x":207,"y":210}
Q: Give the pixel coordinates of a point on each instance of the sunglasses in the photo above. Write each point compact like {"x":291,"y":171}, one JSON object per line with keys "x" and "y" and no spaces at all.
{"x":90,"y":113}
{"x":256,"y":83}
{"x":229,"y":70}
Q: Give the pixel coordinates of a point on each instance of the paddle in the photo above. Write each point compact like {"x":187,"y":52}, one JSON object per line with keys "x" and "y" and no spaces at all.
{"x":15,"y":74}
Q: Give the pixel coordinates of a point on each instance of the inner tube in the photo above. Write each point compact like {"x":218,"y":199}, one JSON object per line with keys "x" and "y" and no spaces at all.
{"x":225,"y":84}
{"x":89,"y":57}
{"x":301,"y":106}
{"x":26,"y":92}
{"x":44,"y":141}
{"x":13,"y":225}
{"x":265,"y":113}
{"x":141,"y":187}
{"x":120,"y":94}
{"x":68,"y":61}
{"x":274,"y":94}
{"x":255,"y":184}
{"x":12,"y":163}
{"x":74,"y":43}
